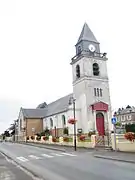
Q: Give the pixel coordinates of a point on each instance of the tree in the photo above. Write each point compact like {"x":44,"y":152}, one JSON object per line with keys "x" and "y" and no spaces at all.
{"x":65,"y":131}
{"x":130,"y":128}
{"x":118,"y":124}
{"x":6,"y":133}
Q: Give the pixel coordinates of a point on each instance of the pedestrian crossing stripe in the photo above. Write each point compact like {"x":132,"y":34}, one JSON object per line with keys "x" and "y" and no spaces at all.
{"x":55,"y":154}
{"x":46,"y":155}
{"x":22,"y":159}
{"x":34,"y":157}
{"x":51,"y":155}
{"x":68,"y":154}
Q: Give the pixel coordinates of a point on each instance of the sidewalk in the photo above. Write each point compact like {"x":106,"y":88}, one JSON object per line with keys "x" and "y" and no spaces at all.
{"x":57,"y":147}
{"x":117,"y":156}
{"x":9,"y":171}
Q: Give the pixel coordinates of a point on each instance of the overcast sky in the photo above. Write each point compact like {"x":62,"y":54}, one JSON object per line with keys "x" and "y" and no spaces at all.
{"x":37,"y":41}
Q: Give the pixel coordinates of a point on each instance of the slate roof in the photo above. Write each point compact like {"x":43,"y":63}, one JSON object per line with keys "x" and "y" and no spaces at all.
{"x":87,"y":35}
{"x":34,"y":113}
{"x":55,"y":107}
{"x":59,"y":105}
{"x":123,"y":111}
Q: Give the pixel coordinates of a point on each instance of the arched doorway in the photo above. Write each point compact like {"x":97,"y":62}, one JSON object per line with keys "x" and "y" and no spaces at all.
{"x":100,"y":124}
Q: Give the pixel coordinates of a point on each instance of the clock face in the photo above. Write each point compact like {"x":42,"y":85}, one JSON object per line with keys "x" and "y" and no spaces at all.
{"x":92,"y":48}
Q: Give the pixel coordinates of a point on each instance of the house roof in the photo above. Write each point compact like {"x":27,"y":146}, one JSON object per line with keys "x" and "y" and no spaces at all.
{"x":34,"y":113}
{"x":122,"y":111}
{"x":55,"y":107}
{"x":87,"y":35}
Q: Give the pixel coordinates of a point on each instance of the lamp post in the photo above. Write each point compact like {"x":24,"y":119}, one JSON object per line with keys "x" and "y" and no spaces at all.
{"x":73,"y":100}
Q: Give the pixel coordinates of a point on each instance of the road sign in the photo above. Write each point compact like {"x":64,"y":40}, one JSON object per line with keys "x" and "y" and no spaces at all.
{"x":114,"y":120}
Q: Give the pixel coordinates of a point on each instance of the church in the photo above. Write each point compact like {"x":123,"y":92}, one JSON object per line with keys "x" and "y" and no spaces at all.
{"x":90,"y":96}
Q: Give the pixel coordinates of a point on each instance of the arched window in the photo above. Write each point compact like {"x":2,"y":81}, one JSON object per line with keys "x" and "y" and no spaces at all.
{"x":97,"y":92}
{"x":79,"y":49}
{"x":101,"y":92}
{"x":78,"y":71}
{"x":99,"y":115}
{"x":95,"y":69}
{"x":51,"y":122}
{"x":63,"y":120}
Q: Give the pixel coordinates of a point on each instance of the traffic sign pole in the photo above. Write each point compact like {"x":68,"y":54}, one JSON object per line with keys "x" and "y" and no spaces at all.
{"x":114,"y":129}
{"x":114,"y":121}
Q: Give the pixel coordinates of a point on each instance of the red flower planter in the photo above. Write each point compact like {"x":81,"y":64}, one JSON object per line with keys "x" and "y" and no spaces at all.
{"x":82,"y":138}
{"x":66,"y":139}
{"x":72,"y":121}
{"x":130,"y":136}
{"x":45,"y":138}
{"x":54,"y":139}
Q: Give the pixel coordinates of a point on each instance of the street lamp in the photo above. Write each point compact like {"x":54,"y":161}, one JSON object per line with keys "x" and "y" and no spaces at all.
{"x":73,"y":100}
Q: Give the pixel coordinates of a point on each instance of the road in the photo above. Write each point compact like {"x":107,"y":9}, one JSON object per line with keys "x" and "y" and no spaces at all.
{"x":50,"y":164}
{"x":9,"y":171}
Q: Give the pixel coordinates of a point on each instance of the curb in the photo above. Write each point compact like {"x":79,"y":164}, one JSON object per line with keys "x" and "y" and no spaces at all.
{"x":48,"y":146}
{"x":44,"y":147}
{"x":37,"y":177}
{"x":113,"y":158}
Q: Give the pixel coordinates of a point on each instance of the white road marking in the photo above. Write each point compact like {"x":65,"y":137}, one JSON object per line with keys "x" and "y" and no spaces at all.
{"x":67,"y":154}
{"x":34,"y":157}
{"x":55,"y":154}
{"x":22,"y":159}
{"x":46,"y":155}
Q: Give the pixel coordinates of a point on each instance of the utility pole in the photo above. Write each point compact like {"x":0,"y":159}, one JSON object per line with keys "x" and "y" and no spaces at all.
{"x":74,"y":125}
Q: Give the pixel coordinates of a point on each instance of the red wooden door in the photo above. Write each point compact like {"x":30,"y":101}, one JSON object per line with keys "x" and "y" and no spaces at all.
{"x":100,"y":124}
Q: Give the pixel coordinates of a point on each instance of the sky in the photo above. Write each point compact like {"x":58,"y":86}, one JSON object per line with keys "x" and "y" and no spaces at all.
{"x":37,"y":41}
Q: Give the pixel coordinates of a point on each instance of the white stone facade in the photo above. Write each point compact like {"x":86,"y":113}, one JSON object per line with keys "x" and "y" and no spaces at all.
{"x":58,"y":120}
{"x":84,"y":90}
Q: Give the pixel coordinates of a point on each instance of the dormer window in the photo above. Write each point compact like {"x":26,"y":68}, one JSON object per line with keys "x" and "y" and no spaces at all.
{"x":78,"y":71}
{"x":79,"y":49}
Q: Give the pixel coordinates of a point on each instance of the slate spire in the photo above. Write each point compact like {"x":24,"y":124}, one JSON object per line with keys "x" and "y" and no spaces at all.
{"x":87,"y":34}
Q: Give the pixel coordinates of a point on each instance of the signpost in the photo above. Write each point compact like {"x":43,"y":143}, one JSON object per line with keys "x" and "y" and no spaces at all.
{"x":114,"y":121}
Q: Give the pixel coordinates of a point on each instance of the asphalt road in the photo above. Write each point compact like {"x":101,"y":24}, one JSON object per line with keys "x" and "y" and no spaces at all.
{"x":9,"y":171}
{"x":50,"y":164}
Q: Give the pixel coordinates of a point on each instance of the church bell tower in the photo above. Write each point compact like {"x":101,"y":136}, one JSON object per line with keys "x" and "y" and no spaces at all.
{"x":91,"y":84}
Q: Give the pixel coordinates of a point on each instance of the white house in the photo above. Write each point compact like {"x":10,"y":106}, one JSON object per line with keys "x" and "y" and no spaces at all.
{"x":90,"y":91}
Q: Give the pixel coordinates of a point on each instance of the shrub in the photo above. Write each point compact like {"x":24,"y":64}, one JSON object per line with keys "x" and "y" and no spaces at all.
{"x":130,"y":136}
{"x":46,"y":132}
{"x":66,"y":139}
{"x":32,"y":137}
{"x":38,"y":138}
{"x":130,"y":128}
{"x":65,"y":131}
{"x":54,"y":139}
{"x":82,"y":138}
{"x":91,"y":133}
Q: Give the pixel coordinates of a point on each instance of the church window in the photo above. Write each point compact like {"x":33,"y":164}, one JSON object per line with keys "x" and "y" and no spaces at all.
{"x":98,"y":92}
{"x":51,"y":122}
{"x":95,"y":91}
{"x":95,"y":69}
{"x":79,"y":49}
{"x":63,"y":120}
{"x":78,"y":71}
{"x":101,"y":92}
